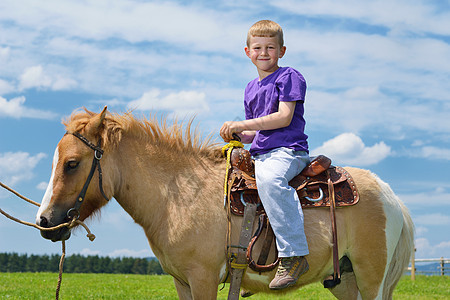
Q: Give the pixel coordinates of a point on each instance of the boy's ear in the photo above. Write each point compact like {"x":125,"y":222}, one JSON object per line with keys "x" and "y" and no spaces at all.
{"x":282,"y":51}
{"x":247,"y":51}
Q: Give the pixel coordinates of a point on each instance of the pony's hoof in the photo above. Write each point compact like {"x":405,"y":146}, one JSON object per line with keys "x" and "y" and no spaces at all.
{"x":245,"y":294}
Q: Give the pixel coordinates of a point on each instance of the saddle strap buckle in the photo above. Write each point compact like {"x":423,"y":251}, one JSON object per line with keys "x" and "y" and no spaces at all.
{"x":241,"y":257}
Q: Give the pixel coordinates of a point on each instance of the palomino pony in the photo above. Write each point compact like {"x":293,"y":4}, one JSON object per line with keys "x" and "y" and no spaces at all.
{"x":172,"y":185}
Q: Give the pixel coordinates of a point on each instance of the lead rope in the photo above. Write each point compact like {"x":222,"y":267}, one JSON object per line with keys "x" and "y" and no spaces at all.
{"x":232,"y":144}
{"x":70,"y":225}
{"x":235,"y":263}
{"x":226,"y":190}
{"x":61,"y":264}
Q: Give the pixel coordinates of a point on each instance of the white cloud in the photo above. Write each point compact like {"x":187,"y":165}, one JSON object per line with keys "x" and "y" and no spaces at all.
{"x":418,"y":16}
{"x":436,"y":153}
{"x":89,"y":252}
{"x":348,"y":148}
{"x":381,"y":58}
{"x":126,"y":71}
{"x":15,"y":108}
{"x":117,"y":218}
{"x":435,"y":198}
{"x":180,"y":103}
{"x":42,"y":186}
{"x":131,"y":253}
{"x":418,"y":143}
{"x":427,"y":250}
{"x":367,"y":108}
{"x":432,"y":219}
{"x":4,"y":53}
{"x":188,"y":25}
{"x":18,"y":166}
{"x":337,"y":60}
{"x":118,"y":253}
{"x":35,"y":77}
{"x":116,"y":48}
{"x":5,"y":87}
{"x":421,"y":231}
{"x":111,"y":102}
{"x":62,"y":83}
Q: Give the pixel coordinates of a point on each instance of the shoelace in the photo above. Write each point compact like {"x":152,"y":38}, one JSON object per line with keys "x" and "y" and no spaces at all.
{"x":285,"y":264}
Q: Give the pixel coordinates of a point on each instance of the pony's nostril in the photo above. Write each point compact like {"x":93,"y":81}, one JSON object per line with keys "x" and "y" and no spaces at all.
{"x":43,"y":222}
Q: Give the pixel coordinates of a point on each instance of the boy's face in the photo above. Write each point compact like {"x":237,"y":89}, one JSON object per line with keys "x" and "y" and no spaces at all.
{"x":264,"y":53}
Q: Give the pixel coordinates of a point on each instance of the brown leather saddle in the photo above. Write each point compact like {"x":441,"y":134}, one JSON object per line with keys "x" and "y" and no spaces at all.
{"x":313,"y":186}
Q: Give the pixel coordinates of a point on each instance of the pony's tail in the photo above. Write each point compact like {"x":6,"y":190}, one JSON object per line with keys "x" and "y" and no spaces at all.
{"x":402,"y":254}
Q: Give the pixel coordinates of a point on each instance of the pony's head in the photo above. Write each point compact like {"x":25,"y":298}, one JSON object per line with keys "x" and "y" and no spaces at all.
{"x":74,"y":190}
{"x":77,"y":190}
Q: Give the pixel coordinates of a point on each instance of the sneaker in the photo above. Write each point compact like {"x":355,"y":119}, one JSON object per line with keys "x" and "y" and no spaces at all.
{"x":288,"y":272}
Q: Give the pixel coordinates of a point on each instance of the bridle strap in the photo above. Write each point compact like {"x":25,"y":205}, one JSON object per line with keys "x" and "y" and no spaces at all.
{"x":98,"y":154}
{"x":87,"y":142}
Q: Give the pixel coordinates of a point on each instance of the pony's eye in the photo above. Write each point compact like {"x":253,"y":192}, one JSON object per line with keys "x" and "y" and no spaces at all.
{"x":71,"y":165}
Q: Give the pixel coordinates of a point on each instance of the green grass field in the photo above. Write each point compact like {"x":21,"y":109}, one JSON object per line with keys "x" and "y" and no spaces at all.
{"x":116,"y":286}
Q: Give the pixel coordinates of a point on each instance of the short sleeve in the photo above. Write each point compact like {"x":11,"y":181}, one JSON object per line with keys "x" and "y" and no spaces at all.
{"x":248,"y":113}
{"x":291,"y":86}
{"x":248,"y":110}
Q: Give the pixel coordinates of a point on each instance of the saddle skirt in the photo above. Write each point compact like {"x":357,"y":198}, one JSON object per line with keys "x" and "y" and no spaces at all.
{"x":311,"y":184}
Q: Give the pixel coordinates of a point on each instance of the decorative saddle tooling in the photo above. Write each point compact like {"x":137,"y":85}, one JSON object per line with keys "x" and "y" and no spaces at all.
{"x":311,"y":184}
{"x":319,"y":185}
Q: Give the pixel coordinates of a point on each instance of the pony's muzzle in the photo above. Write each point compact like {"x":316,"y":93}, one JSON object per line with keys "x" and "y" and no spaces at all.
{"x":60,"y":234}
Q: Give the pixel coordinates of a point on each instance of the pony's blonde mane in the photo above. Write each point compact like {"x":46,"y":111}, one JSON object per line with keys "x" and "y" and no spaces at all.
{"x":177,"y":137}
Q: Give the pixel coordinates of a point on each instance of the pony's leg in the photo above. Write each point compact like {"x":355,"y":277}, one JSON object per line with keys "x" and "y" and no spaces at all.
{"x":347,"y":289}
{"x":198,"y":289}
{"x":203,"y":288}
{"x":183,"y":290}
{"x":369,"y":263}
{"x":199,"y":283}
{"x":367,"y":243}
{"x":369,"y":279}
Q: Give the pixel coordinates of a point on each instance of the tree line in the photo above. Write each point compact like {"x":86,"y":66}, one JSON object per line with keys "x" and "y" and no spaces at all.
{"x":13,"y":262}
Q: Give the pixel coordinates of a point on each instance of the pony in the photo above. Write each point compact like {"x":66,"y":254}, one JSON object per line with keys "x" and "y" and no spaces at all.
{"x":170,"y":181}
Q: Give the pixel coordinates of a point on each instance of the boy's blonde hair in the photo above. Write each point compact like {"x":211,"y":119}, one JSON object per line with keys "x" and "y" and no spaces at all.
{"x":266,"y":28}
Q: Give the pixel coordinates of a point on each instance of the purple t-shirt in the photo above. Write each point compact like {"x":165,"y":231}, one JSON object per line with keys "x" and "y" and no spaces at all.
{"x":262,"y":98}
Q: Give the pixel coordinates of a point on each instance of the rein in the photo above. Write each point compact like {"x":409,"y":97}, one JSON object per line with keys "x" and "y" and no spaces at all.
{"x":69,"y":225}
{"x":226,"y":152}
{"x":74,"y":212}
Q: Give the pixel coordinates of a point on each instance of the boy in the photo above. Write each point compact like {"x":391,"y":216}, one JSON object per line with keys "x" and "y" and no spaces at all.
{"x":275,"y":126}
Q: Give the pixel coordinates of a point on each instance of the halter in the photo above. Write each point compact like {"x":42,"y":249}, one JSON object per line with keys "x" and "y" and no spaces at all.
{"x":74,"y":212}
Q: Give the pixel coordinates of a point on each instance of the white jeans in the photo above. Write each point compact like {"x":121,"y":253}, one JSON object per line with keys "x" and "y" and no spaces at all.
{"x":273,"y":172}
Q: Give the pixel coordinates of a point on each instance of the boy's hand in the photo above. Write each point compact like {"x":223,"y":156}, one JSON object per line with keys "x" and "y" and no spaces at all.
{"x":247,"y":128}
{"x":228,"y":128}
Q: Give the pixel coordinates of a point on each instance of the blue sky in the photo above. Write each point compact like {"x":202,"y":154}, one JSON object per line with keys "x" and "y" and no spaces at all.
{"x":377,"y":98}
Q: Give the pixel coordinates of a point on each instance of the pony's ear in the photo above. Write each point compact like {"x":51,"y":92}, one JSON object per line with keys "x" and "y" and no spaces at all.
{"x":95,"y":124}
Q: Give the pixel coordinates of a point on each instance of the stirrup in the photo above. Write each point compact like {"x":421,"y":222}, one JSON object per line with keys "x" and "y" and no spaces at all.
{"x":331,"y":282}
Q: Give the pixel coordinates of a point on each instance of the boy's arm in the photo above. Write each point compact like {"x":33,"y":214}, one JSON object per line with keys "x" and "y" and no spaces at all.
{"x":279,"y":119}
{"x":247,"y":136}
